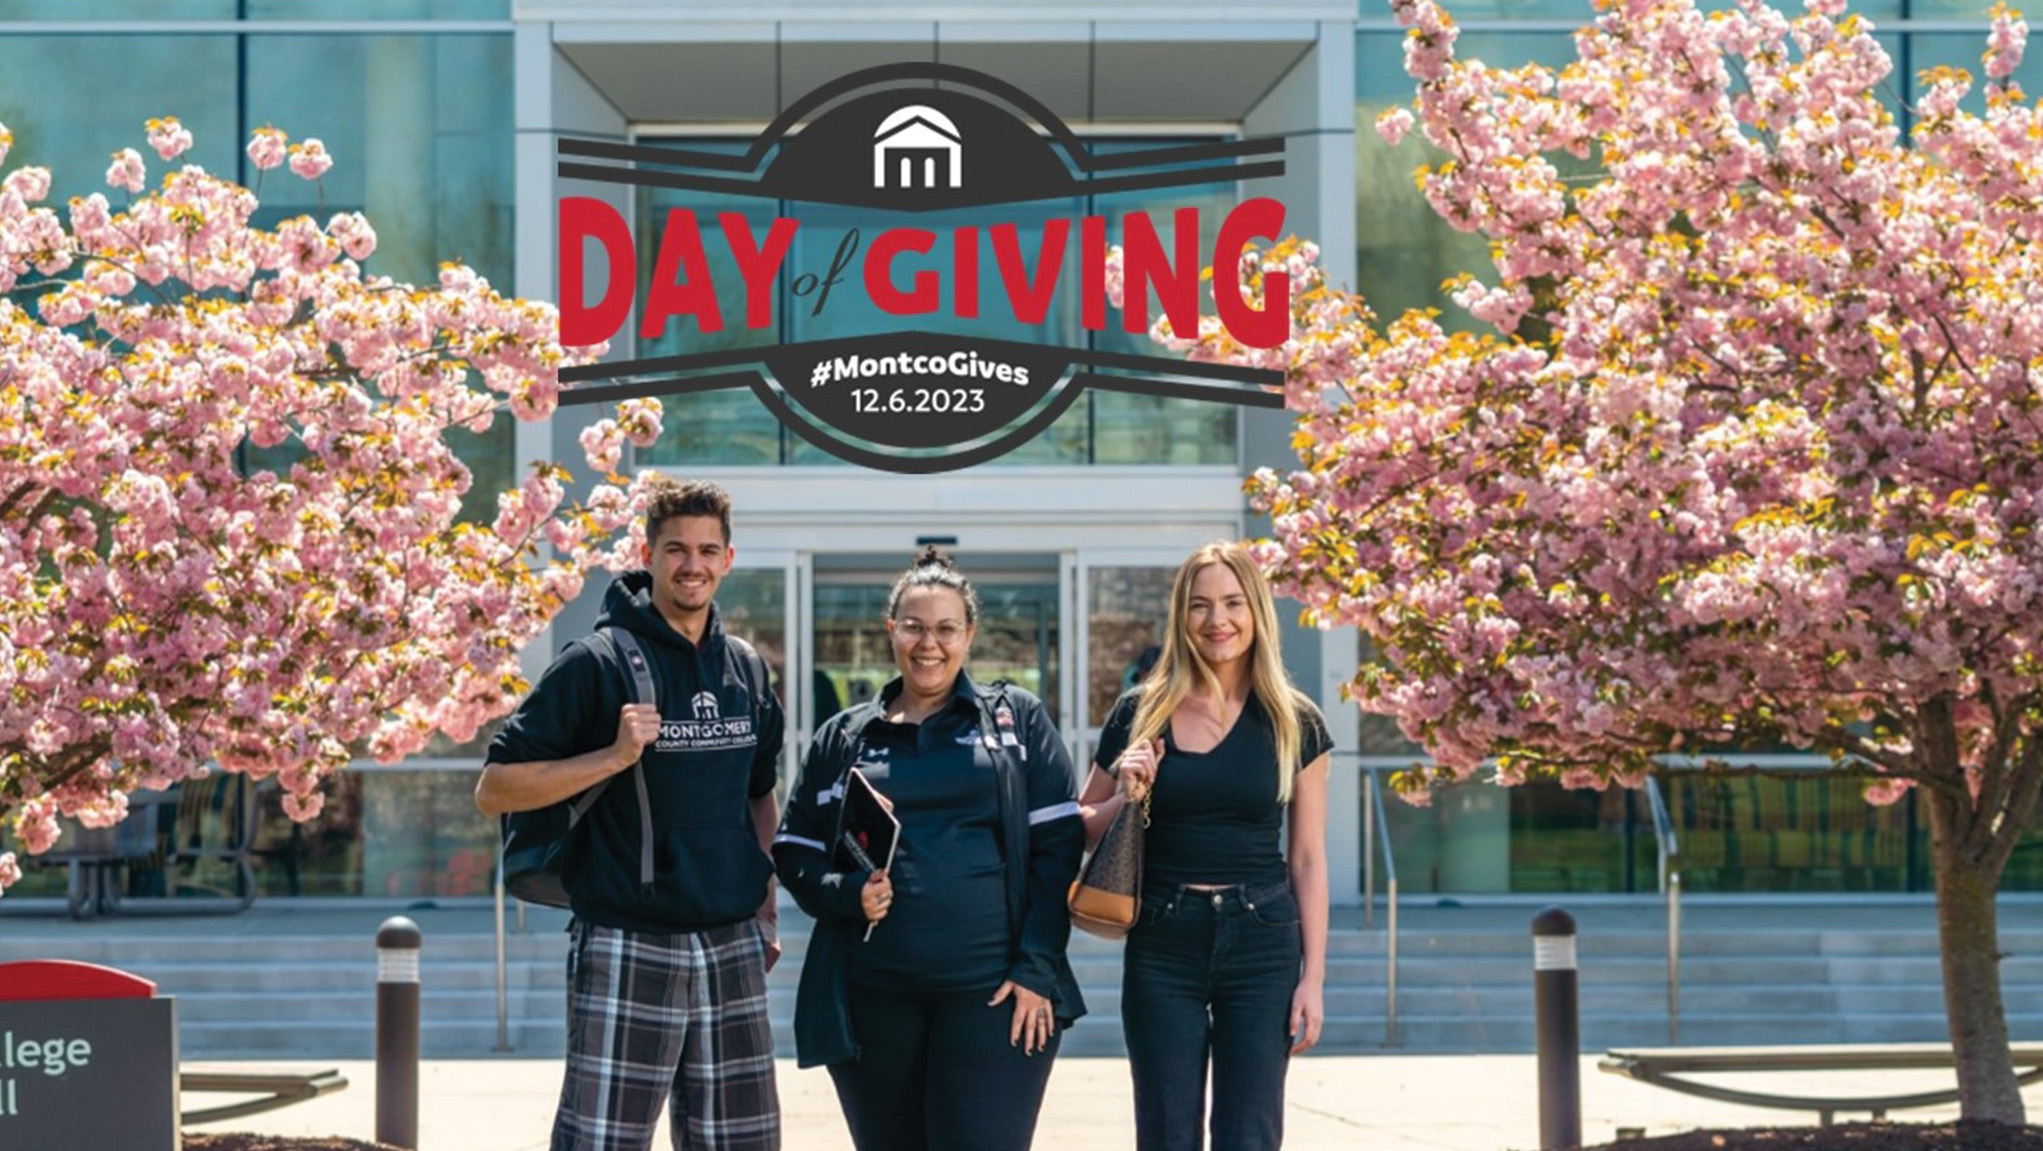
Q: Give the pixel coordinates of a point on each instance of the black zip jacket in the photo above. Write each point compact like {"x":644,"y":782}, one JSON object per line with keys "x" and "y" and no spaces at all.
{"x":718,"y":748}
{"x":1042,"y":839}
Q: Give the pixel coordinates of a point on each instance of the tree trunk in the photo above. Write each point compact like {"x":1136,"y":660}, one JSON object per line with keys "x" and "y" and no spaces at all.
{"x":1969,"y":933}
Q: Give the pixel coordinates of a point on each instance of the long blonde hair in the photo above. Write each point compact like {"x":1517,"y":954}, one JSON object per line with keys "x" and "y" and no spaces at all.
{"x":1181,"y":666}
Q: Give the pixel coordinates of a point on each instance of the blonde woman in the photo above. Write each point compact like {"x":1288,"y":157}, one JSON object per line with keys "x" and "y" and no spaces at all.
{"x":1226,"y":965}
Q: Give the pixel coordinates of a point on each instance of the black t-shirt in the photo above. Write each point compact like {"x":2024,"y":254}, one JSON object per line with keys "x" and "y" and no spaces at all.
{"x":1214,"y":816}
{"x":947,"y":929}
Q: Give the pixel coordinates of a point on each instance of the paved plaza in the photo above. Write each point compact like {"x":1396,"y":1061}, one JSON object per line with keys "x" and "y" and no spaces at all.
{"x":1335,"y":1103}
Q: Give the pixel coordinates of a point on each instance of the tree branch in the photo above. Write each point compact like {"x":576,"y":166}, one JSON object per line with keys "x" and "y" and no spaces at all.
{"x":2023,"y":795}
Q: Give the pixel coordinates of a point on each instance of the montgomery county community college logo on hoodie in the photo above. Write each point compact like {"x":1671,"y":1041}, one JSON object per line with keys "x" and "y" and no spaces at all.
{"x":890,"y":143}
{"x":706,"y":732}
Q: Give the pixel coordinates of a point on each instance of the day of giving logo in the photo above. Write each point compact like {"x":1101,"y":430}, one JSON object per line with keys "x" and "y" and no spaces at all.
{"x":916,"y":400}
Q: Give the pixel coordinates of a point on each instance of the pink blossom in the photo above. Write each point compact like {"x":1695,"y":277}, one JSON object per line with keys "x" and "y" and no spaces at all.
{"x":640,"y":420}
{"x":169,"y":137}
{"x":31,"y":184}
{"x":303,"y":808}
{"x":267,"y":148}
{"x":1763,"y":472}
{"x":2005,"y":46}
{"x":309,"y":159}
{"x":162,"y":606}
{"x":1393,"y":124}
{"x":356,"y":237}
{"x":603,"y":445}
{"x":126,"y":171}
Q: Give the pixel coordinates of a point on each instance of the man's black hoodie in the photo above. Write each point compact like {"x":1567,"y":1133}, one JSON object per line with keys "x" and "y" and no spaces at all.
{"x":719,"y":746}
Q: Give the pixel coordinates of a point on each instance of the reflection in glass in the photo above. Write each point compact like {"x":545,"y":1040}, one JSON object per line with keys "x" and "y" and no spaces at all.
{"x":731,"y":428}
{"x":1403,"y":249}
{"x":1139,"y":429}
{"x":1737,"y":834}
{"x":415,"y":123}
{"x":421,"y":145}
{"x":753,"y":604}
{"x":1125,"y":621}
{"x":132,"y":80}
{"x":724,"y":427}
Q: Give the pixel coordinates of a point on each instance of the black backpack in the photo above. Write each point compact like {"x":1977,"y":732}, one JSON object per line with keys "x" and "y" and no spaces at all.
{"x":534,"y":841}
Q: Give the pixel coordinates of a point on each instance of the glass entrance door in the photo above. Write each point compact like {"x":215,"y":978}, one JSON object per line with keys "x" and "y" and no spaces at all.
{"x":1020,"y":635}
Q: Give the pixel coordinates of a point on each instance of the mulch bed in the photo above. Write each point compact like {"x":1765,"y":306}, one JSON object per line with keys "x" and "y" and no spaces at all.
{"x":1847,"y":1137}
{"x":242,"y":1141}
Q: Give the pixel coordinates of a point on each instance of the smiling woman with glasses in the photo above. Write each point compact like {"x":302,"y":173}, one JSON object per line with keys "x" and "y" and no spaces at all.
{"x":935,"y":989}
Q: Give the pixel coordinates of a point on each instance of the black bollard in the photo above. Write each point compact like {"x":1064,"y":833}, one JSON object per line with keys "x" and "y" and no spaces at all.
{"x":397,"y":1032}
{"x":1559,"y":1030}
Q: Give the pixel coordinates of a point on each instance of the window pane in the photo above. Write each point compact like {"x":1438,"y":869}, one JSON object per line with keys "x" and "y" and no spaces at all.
{"x":379,"y":9}
{"x":850,"y":311}
{"x":43,"y":10}
{"x":1921,"y":51}
{"x":253,"y":10}
{"x":428,"y":838}
{"x":1577,"y":839}
{"x":133,"y":79}
{"x":421,"y":146}
{"x":323,"y":856}
{"x":1138,"y":429}
{"x":1755,"y":833}
{"x":420,"y":141}
{"x":1017,"y":638}
{"x":1403,"y":250}
{"x":1125,"y":619}
{"x":725,"y":427}
{"x":753,"y":604}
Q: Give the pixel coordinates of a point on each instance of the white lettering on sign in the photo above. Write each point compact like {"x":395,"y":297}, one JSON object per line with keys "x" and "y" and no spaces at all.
{"x":51,"y":1056}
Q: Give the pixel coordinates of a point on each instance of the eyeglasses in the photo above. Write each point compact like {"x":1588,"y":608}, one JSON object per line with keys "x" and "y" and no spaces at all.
{"x":947,"y":633}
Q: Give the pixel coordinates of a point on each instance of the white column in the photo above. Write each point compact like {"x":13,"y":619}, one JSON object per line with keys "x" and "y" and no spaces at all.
{"x":1314,"y":107}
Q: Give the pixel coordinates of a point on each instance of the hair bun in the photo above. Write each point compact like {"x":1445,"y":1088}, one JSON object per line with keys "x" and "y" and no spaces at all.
{"x":932,"y":554}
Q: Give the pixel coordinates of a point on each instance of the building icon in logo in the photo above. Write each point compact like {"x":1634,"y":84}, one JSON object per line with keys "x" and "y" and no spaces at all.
{"x":705,"y":705}
{"x":918,"y":136}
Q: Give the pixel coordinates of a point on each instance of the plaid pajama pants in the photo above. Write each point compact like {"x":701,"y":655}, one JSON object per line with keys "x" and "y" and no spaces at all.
{"x":656,"y":1015}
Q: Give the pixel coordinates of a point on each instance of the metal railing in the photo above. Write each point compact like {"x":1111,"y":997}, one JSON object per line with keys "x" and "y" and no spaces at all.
{"x":1670,"y":889}
{"x":503,"y":983}
{"x":1375,"y":833}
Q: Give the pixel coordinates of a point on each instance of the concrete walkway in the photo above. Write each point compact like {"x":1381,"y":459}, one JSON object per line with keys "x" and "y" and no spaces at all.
{"x":1335,"y":1103}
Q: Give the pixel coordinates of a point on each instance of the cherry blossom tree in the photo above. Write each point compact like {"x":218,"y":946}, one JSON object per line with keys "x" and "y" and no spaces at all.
{"x":1747,"y":452}
{"x":230,"y":516}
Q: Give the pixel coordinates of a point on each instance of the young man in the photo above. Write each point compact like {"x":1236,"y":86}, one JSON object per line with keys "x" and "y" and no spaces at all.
{"x":667,"y":972}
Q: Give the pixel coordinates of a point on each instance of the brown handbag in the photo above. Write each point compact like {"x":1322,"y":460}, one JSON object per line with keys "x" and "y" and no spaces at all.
{"x":1107,"y":896}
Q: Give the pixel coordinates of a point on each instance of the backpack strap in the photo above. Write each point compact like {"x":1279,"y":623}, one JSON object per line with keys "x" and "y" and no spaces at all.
{"x":640,"y":689}
{"x":1001,"y":726}
{"x":757,"y":677}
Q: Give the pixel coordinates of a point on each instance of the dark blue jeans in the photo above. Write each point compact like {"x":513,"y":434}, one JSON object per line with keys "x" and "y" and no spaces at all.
{"x":936,"y":1072}
{"x":1209,"y":978}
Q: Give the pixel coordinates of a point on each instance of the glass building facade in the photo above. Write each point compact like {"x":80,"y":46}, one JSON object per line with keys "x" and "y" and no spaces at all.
{"x":441,"y":115}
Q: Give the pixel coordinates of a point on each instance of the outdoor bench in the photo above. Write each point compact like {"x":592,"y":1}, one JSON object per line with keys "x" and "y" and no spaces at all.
{"x":273,"y":1090}
{"x":1668,"y":1067}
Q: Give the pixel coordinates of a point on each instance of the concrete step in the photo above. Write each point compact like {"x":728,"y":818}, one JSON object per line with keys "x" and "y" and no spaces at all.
{"x":297,"y":983}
